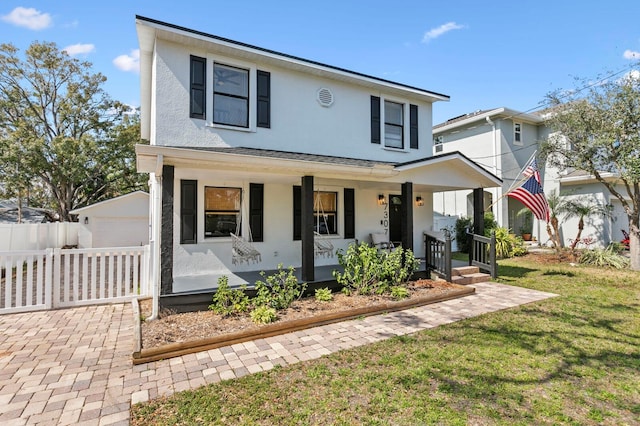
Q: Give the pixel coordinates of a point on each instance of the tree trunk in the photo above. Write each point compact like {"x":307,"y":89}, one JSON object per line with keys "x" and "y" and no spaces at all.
{"x":577,"y":240}
{"x":634,"y":249}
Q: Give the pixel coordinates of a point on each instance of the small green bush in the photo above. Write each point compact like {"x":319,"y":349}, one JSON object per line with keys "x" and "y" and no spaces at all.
{"x":394,"y":272}
{"x":227,"y":302}
{"x":264,"y":315}
{"x":399,"y":293}
{"x":278,"y":290}
{"x":604,"y":257}
{"x":362,"y":269}
{"x":323,"y":295}
{"x":508,"y":245}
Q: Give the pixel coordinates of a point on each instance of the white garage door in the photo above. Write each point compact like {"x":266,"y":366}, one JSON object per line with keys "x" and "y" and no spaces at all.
{"x":120,"y":232}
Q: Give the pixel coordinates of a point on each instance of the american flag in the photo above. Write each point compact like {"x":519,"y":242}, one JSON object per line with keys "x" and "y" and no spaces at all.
{"x":531,"y":195}
{"x":532,"y":170}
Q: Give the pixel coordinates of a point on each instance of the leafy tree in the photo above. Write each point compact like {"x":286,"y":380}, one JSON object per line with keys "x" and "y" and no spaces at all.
{"x":61,"y":135}
{"x":598,"y":131}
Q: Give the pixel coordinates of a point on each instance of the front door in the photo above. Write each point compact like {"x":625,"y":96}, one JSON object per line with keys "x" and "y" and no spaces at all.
{"x":395,"y":219}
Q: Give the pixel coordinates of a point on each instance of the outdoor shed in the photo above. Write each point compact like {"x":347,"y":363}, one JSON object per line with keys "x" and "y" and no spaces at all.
{"x":119,"y":222}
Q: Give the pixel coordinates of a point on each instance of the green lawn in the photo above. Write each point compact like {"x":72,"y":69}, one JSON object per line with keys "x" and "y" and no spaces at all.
{"x":573,"y":359}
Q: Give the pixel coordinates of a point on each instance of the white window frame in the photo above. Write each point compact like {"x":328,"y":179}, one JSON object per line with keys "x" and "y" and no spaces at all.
{"x":405,"y":124}
{"x":517,"y":134}
{"x":253,"y":93}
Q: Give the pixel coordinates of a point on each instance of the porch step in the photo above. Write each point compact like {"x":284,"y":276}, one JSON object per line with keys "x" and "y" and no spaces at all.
{"x":465,"y":275}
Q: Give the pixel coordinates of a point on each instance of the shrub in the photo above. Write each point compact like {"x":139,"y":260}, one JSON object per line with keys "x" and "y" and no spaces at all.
{"x":462,"y":225}
{"x":508,"y":245}
{"x":617,"y":247}
{"x":368,"y":272}
{"x":398,"y":292}
{"x":362,"y":269}
{"x":604,"y":257}
{"x":264,"y":315}
{"x":393,"y":270}
{"x":227,"y":302}
{"x":323,"y":295}
{"x":278,"y":290}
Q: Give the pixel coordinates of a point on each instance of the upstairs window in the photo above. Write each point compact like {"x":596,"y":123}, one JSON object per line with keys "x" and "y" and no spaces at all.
{"x":222,"y":211}
{"x":230,"y":96}
{"x":393,"y":125}
{"x":517,"y":133}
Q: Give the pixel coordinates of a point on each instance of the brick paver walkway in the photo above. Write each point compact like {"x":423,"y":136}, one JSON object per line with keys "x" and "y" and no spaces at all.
{"x":73,"y":366}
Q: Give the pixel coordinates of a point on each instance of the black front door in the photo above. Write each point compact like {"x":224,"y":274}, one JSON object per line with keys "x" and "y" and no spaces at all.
{"x":395,"y":218}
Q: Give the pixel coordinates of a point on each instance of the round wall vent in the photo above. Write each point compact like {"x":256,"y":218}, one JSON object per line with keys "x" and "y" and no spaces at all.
{"x":325,"y":97}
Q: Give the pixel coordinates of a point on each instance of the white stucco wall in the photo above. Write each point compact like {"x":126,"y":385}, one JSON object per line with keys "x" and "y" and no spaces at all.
{"x":298,"y":122}
{"x":213,"y":255}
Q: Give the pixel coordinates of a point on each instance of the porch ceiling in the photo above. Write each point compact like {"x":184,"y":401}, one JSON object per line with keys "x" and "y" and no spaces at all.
{"x":439,"y":173}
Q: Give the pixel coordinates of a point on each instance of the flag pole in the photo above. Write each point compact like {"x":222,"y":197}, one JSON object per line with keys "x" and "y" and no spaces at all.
{"x":515,"y":181}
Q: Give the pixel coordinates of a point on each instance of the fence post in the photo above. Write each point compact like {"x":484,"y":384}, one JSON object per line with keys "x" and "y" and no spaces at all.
{"x":447,"y":256}
{"x":48,"y":279}
{"x":492,"y":256}
{"x":427,"y":254}
{"x":57,"y":260}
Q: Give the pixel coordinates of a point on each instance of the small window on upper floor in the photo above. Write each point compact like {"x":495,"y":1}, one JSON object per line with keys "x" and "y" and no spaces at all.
{"x":517,"y":133}
{"x":230,"y":95}
{"x":393,"y":125}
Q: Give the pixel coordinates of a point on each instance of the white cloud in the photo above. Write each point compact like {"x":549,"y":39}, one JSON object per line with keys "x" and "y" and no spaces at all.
{"x":630,"y":54}
{"x":29,"y":18}
{"x":79,"y":49}
{"x":128,"y":62}
{"x":438,"y":31}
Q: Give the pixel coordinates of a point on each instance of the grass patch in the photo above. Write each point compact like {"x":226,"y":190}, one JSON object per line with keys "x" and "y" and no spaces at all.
{"x":573,"y":359}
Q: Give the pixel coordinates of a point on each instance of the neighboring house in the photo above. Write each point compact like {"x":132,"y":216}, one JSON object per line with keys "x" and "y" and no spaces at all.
{"x":245,"y":140}
{"x":503,"y":140}
{"x":9,"y":213}
{"x":119,"y":222}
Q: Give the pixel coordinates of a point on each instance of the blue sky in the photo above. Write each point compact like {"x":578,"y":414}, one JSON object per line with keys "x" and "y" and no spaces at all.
{"x":482,"y":54}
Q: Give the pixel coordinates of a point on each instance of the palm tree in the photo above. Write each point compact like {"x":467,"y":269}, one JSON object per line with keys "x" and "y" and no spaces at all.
{"x":582,"y":209}
{"x":558,"y":204}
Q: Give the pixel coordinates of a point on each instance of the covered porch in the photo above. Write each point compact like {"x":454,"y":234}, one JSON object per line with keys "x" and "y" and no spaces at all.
{"x":279,"y":206}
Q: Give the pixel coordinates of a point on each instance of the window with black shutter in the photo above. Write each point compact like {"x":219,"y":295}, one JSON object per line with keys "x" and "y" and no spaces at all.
{"x":264,"y":99}
{"x":197,"y":108}
{"x":256,"y":211}
{"x":375,"y":119}
{"x":349,"y":213}
{"x":297,"y":213}
{"x":413,"y":126}
{"x":188,"y":211}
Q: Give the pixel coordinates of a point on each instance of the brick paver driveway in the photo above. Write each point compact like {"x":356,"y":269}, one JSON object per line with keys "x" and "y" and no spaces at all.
{"x":73,"y":366}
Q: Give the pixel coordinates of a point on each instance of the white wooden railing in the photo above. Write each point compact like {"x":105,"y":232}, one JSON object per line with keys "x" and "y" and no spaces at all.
{"x":53,"y":278}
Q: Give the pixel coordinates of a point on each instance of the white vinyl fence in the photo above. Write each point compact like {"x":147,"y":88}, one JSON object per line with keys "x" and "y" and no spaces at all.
{"x":37,"y":236}
{"x":55,"y":278}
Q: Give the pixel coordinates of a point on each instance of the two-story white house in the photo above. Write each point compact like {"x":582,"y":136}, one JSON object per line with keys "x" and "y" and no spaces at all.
{"x":502,"y":140}
{"x":282,"y":151}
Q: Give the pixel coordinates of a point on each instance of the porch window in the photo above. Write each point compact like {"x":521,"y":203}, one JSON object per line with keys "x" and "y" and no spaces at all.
{"x":325,"y":207}
{"x":393,"y":125}
{"x":230,"y":95}
{"x":222,"y":211}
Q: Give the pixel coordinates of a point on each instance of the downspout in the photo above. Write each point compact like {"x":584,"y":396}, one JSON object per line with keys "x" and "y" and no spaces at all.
{"x":494,"y":149}
{"x":156,"y":207}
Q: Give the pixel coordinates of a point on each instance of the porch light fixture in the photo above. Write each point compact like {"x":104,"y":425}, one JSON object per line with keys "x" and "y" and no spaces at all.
{"x":86,"y":220}
{"x":419,"y":201}
{"x":381,"y":200}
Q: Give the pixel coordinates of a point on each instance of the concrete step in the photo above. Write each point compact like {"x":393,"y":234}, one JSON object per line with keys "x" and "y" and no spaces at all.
{"x":464,"y":270}
{"x":474,"y":278}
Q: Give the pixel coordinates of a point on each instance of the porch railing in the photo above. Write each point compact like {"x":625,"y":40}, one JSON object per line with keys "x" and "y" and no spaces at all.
{"x":482,"y":253}
{"x":438,"y":254}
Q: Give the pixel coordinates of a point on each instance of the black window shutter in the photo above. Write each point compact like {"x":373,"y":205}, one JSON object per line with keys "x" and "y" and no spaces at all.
{"x":198,"y":96}
{"x":413,"y":126}
{"x":264,"y":99}
{"x":349,"y":213}
{"x":375,"y":119}
{"x":188,"y":211}
{"x":297,"y":213}
{"x":256,"y":211}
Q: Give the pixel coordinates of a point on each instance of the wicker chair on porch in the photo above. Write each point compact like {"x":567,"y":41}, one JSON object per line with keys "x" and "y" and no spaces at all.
{"x":322,"y":247}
